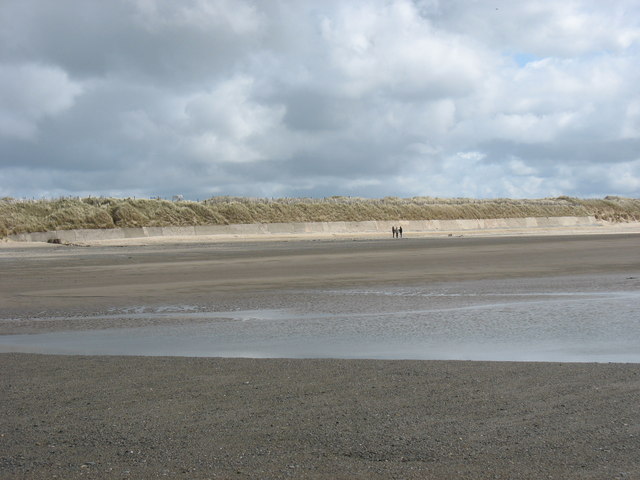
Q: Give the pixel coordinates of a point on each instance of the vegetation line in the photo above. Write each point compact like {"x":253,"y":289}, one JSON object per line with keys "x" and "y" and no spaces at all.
{"x":26,"y":216}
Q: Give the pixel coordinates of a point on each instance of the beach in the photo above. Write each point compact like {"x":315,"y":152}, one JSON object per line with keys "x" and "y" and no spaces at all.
{"x":71,"y":280}
{"x":74,"y":416}
{"x":149,"y":417}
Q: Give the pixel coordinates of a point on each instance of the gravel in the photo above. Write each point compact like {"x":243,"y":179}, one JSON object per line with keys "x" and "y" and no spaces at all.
{"x":157,"y":417}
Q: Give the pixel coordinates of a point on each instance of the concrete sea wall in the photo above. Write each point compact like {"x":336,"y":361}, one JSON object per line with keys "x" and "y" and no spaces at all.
{"x":311,"y":228}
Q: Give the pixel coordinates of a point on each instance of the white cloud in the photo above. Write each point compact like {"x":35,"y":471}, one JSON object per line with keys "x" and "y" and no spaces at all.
{"x":545,"y":28}
{"x":367,"y":97}
{"x":631,"y":119}
{"x":229,"y":111}
{"x":227,"y":125}
{"x":238,"y":16}
{"x":622,"y":177}
{"x":30,"y":92}
{"x":390,"y":47}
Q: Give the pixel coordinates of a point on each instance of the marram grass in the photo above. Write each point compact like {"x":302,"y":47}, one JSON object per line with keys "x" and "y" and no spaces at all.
{"x":24,"y":216}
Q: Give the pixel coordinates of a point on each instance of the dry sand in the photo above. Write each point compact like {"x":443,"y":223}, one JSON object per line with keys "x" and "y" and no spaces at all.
{"x":132,"y":417}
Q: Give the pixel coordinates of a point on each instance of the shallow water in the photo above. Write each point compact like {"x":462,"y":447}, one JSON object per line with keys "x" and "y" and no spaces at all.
{"x":572,"y":319}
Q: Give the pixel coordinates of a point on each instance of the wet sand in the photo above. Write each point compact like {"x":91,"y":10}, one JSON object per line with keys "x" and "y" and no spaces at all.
{"x":135,"y":417}
{"x":66,"y":280}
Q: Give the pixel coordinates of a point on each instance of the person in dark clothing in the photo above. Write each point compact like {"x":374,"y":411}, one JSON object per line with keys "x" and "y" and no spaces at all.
{"x":399,"y":232}
{"x":394,"y":232}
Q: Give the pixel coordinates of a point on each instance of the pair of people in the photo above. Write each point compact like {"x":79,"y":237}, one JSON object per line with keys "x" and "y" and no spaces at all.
{"x":396,"y":232}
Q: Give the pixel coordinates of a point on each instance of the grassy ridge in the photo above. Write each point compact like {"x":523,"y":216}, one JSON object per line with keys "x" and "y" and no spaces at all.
{"x":17,"y":216}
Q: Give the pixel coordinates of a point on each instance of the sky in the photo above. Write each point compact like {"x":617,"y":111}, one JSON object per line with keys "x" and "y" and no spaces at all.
{"x":301,"y":98}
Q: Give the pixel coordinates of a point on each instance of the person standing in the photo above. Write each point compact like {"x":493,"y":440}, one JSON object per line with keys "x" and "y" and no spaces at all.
{"x":394,"y":232}
{"x":399,"y":230}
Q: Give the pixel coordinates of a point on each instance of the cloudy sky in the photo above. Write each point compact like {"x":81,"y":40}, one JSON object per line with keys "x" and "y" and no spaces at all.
{"x":274,"y":98}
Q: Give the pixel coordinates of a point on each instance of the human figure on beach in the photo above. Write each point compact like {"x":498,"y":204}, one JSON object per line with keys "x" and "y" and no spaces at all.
{"x":394,"y":232}
{"x":399,"y":232}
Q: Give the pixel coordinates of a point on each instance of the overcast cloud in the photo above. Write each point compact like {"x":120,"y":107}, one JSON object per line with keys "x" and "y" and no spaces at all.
{"x":277,"y":98}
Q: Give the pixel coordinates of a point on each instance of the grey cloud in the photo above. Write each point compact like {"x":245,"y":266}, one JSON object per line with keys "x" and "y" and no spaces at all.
{"x":539,"y":27}
{"x":30,"y":93}
{"x":115,"y":39}
{"x":368,"y":98}
{"x":308,"y":110}
{"x":571,"y":153}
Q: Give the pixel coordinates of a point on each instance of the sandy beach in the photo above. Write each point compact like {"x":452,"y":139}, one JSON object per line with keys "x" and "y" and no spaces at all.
{"x":134,"y":417}
{"x":65,"y":280}
{"x":149,"y":417}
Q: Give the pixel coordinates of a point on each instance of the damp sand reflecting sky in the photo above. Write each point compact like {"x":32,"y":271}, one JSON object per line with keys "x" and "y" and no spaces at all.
{"x":568,"y":319}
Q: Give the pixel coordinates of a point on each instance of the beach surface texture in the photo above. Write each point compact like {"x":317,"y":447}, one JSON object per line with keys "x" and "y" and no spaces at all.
{"x":79,"y":416}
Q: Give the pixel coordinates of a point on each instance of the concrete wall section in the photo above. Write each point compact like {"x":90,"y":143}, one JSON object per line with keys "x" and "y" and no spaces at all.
{"x":283,"y":228}
{"x":248,"y":229}
{"x":92,"y":235}
{"x":321,"y":228}
{"x":178,"y":231}
{"x":212,"y":229}
{"x":152,"y":231}
{"x":134,"y":232}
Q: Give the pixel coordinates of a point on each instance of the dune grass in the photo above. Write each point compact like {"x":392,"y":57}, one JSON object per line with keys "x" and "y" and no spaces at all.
{"x":25,"y":216}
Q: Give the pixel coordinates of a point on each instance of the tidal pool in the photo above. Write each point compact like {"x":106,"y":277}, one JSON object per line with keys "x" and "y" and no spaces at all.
{"x":507,"y":320}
